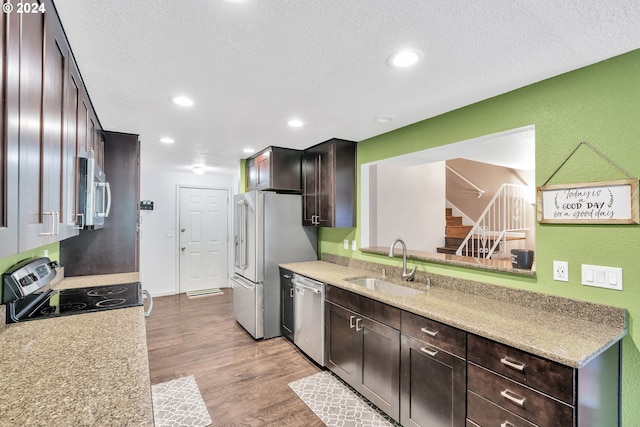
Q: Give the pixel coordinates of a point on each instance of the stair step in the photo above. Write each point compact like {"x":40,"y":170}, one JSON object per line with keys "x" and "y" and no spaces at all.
{"x":454,"y":220}
{"x":448,"y":211}
{"x":457,"y":230}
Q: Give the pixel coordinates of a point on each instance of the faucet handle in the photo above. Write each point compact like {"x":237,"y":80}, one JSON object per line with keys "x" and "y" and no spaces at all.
{"x":408,"y":276}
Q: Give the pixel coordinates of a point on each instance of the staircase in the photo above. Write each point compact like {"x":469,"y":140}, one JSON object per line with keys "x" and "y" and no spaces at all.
{"x":455,"y":234}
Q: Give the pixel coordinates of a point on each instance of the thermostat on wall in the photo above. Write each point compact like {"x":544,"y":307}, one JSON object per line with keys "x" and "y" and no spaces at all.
{"x":146,"y":205}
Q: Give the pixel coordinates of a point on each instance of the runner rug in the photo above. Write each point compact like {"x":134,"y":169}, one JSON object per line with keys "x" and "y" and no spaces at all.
{"x":178,"y":403}
{"x":337,"y":404}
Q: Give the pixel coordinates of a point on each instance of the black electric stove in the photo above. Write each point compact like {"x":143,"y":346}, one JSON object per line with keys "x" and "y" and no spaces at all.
{"x":81,"y":300}
{"x":28,"y":296}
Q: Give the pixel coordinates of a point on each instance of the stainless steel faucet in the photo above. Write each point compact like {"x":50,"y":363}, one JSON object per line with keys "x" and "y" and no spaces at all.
{"x":405,"y":275}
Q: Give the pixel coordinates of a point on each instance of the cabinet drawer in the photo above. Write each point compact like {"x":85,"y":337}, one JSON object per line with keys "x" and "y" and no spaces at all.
{"x":435,"y":333}
{"x":484,"y":413}
{"x":523,"y":401}
{"x":544,"y":375}
{"x":373,"y":309}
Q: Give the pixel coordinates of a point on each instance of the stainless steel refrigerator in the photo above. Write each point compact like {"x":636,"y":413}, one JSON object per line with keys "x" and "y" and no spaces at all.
{"x":268,"y":231}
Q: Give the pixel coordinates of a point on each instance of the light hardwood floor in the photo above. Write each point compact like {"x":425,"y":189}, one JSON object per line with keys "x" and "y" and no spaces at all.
{"x":243,"y":381}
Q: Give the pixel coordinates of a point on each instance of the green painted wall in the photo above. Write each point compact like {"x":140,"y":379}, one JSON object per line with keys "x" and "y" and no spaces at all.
{"x":599,"y":104}
{"x":54,"y":254}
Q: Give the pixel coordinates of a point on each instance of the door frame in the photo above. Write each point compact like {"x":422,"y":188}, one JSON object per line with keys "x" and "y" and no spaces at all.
{"x":179,"y":188}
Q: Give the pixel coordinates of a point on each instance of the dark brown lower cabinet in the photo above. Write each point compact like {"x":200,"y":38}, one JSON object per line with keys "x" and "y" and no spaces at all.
{"x":365,"y":354}
{"x":433,"y":386}
{"x":286,"y":304}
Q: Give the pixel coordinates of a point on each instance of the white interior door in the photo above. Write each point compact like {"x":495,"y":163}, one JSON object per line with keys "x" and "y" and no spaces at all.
{"x":203,"y":249}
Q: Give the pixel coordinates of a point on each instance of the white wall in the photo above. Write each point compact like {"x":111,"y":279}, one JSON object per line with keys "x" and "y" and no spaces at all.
{"x":158,"y":237}
{"x":410,"y":205}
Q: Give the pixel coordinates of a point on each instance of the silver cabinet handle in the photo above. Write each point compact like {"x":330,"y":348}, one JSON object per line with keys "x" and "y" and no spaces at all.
{"x":291,"y":292}
{"x":511,"y":397}
{"x":429,"y":332}
{"x":358,"y":324}
{"x":53,"y":226}
{"x":287,"y":276}
{"x":428,"y":351}
{"x":351,"y":325}
{"x":81,"y":226}
{"x":506,"y":424}
{"x":514,"y":365}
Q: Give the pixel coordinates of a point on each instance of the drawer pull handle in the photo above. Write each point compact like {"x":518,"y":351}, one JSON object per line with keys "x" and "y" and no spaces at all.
{"x":428,"y":351}
{"x":358,"y":324}
{"x":351,"y":324}
{"x":429,"y":332}
{"x":515,"y":365}
{"x":513,"y":398}
{"x":506,"y":424}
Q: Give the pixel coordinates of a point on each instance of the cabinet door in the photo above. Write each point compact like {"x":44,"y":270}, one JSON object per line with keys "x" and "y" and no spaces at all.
{"x":325,"y":193}
{"x":380,"y":381}
{"x":432,"y":386}
{"x":286,"y":304}
{"x":309,"y":187}
{"x":263,"y":171}
{"x":9,"y":131}
{"x":71,"y":220}
{"x":53,"y":126}
{"x":33,"y":231}
{"x":343,"y":344}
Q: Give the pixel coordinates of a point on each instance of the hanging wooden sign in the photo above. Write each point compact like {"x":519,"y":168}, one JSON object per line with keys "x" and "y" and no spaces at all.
{"x":606,"y":202}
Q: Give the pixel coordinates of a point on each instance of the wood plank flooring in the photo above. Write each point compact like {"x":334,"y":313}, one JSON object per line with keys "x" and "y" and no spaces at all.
{"x":243,"y":381}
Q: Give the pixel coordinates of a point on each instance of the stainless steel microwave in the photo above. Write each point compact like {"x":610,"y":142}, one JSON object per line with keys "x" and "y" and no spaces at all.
{"x":94,"y":195}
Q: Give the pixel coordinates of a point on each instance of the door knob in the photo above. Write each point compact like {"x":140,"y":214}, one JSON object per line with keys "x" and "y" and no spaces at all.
{"x":183,"y":248}
{"x":182,"y":230}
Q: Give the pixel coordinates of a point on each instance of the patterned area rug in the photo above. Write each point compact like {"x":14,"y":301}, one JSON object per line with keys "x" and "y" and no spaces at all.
{"x":204,"y":293}
{"x":178,"y":403}
{"x":337,"y":404}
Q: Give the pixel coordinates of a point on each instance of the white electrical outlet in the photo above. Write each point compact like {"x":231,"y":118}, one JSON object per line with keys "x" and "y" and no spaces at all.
{"x":346,"y":243}
{"x":602,"y":277}
{"x":561,"y":271}
{"x":354,"y":245}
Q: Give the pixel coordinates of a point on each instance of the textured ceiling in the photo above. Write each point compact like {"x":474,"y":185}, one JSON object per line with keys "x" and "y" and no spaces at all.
{"x":251,"y":65}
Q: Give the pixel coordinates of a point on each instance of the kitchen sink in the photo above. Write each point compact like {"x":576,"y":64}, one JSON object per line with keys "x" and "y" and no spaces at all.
{"x":384,"y":287}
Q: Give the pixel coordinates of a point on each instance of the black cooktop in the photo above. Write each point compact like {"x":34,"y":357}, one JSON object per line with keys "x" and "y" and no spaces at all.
{"x":82,"y":300}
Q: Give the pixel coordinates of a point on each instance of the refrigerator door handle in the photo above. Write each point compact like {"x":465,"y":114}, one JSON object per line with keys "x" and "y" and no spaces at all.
{"x":245,"y":226}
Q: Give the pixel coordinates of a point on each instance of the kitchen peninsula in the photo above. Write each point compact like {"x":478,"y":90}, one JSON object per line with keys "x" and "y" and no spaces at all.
{"x":86,"y":369}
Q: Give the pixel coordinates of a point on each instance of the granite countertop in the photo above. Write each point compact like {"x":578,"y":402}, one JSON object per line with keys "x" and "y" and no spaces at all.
{"x":88,"y":369}
{"x":567,"y":331}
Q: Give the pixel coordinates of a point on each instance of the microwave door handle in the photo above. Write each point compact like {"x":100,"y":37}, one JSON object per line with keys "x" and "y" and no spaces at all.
{"x":108,"y":197}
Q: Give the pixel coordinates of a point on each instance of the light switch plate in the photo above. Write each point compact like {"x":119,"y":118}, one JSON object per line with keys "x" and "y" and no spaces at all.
{"x":346,"y":244}
{"x":602,"y":277}
{"x":354,"y":245}
{"x":561,"y":271}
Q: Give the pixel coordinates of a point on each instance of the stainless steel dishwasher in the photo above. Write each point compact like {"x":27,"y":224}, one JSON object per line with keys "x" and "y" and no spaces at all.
{"x":308,"y":314}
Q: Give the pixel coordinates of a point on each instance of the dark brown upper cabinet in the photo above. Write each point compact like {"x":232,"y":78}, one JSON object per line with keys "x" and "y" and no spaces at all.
{"x":329,"y":184}
{"x":44,"y":129}
{"x":274,"y":168}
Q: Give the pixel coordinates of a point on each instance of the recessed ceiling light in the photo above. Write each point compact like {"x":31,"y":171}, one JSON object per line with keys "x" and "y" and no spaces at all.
{"x":405,"y":58}
{"x":384,"y":119}
{"x":167,"y":140}
{"x":249,"y":150}
{"x":295,"y":123}
{"x":198,"y":169}
{"x":182,"y":101}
